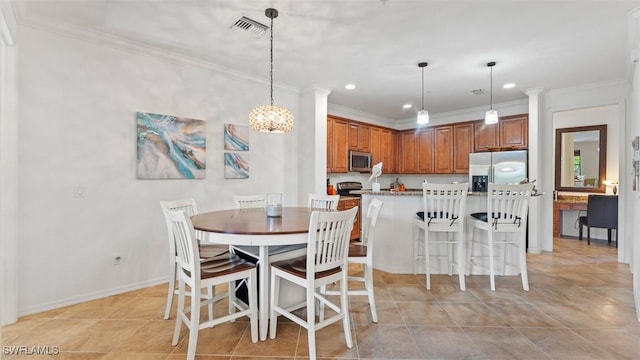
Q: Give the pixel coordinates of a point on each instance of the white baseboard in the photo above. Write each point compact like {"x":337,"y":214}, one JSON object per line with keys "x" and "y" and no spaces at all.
{"x":90,"y":296}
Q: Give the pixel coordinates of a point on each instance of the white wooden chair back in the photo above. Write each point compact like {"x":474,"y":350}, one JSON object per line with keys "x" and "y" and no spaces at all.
{"x":508,"y":206}
{"x":444,"y":206}
{"x":324,"y":202}
{"x":329,"y":237}
{"x":249,"y":201}
{"x":369,"y":223}
{"x":187,"y":256}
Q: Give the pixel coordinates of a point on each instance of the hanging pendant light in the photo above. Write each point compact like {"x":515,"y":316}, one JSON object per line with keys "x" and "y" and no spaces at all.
{"x":423,"y":115}
{"x":271,"y":118}
{"x":491,"y":117}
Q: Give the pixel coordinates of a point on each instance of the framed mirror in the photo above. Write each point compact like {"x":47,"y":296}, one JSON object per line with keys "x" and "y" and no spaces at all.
{"x":581,"y":158}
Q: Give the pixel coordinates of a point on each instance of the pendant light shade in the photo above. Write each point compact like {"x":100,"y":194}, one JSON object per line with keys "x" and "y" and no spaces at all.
{"x":271,"y":118}
{"x":491,"y":116}
{"x":423,"y":115}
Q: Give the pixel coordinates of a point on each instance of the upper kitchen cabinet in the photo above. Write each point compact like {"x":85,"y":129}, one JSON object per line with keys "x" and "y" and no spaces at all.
{"x":443,"y":156}
{"x":510,"y":132}
{"x":376,"y":143}
{"x":388,"y":150}
{"x":514,"y":131}
{"x":337,"y":160}
{"x":359,"y":137}
{"x":407,"y":156}
{"x":425,"y":146}
{"x":462,"y":146}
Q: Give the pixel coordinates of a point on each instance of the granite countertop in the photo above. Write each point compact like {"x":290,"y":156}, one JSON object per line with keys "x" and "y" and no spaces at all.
{"x":414,"y":192}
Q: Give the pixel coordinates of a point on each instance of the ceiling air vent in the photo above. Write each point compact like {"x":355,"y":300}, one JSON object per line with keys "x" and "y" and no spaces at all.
{"x":250,"y":26}
{"x":479,"y":91}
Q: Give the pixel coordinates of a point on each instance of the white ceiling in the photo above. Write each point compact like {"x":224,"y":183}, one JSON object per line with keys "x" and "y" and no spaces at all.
{"x":376,"y":44}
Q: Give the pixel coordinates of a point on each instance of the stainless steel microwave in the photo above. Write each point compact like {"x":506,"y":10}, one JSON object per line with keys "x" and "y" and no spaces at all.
{"x":359,"y":161}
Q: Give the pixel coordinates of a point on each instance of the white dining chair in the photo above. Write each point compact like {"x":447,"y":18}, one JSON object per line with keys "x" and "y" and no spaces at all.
{"x":206,"y":251}
{"x":505,"y":224}
{"x":443,"y":211}
{"x":362,"y":253}
{"x":276,"y":253}
{"x":225,"y":269}
{"x":249,"y":201}
{"x":325,"y":263}
{"x":319,"y":201}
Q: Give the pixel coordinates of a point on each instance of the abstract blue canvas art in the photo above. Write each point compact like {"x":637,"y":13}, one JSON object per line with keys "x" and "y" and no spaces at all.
{"x":236,"y":137}
{"x":170,"y":147}
{"x":236,"y":165}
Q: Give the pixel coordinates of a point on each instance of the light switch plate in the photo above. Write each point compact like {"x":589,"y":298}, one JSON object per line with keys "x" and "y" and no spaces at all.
{"x":78,"y":191}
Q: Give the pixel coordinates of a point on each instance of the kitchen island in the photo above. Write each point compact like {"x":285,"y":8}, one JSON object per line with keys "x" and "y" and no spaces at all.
{"x":393,"y":248}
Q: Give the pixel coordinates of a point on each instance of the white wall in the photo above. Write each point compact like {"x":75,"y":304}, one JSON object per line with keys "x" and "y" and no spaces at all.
{"x":77,"y":128}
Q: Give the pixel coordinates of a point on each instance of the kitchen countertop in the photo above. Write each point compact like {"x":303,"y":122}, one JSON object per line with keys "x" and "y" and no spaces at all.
{"x":413,"y":192}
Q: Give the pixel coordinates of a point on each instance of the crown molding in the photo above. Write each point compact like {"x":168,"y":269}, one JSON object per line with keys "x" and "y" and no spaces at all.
{"x":591,"y":86}
{"x":141,"y":48}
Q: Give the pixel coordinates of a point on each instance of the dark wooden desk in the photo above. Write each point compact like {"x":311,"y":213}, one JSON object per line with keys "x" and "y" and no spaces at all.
{"x":570,"y":204}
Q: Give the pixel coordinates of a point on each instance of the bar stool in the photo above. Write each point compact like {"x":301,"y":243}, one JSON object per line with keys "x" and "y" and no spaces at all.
{"x":444,"y":212}
{"x":507,"y":210}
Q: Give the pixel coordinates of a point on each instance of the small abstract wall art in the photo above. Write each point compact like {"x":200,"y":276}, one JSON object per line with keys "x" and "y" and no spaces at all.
{"x":236,"y":165}
{"x":170,"y":147}
{"x":236,"y":137}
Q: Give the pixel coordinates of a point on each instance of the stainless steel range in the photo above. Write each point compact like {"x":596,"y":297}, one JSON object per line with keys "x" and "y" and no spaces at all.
{"x":345,"y":187}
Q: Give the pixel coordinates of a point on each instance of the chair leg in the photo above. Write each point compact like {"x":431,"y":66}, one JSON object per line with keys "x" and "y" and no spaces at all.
{"x":580,"y":232}
{"x":275,"y":294}
{"x":426,"y":257}
{"x":211,"y":292}
{"x":461,"y":259}
{"x":323,"y":291}
{"x":523,"y":263}
{"x":609,"y":235}
{"x":449,"y":253}
{"x":179,"y":313}
{"x":344,"y":304}
{"x":368,"y":281}
{"x":172,"y":288}
{"x":416,"y":248}
{"x":492,"y":279}
{"x":588,"y":235}
{"x":252,"y":285}
{"x":470,"y":254}
{"x":311,"y":321}
{"x":194,"y":325}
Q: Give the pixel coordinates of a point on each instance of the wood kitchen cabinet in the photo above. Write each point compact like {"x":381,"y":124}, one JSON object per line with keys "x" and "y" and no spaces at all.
{"x":443,"y":156}
{"x":349,"y":203}
{"x":388,"y":150}
{"x":407,"y":156}
{"x":337,"y":159}
{"x":425,"y":149}
{"x":359,"y":137}
{"x":462,"y":146}
{"x":514,"y":131}
{"x":376,"y":145}
{"x":510,"y":131}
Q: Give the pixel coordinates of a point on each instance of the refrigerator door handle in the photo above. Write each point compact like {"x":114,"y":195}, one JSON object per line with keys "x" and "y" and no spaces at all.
{"x":491,"y":170}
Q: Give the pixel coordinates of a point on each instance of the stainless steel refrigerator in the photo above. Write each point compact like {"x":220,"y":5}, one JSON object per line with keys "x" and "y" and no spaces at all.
{"x":502,"y":167}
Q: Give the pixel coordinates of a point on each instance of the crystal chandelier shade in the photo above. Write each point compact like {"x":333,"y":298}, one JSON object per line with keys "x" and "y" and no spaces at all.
{"x":271,"y":118}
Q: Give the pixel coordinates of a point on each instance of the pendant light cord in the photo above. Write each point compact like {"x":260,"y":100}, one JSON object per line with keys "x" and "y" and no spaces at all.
{"x":491,"y":93}
{"x":271,"y":71}
{"x":423,"y":88}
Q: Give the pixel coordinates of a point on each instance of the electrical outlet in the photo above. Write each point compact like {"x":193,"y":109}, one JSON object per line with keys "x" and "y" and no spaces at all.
{"x":78,"y":191}
{"x":117,"y":260}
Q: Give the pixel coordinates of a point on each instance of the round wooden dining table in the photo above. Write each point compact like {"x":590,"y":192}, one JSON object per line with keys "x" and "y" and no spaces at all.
{"x":252,"y":227}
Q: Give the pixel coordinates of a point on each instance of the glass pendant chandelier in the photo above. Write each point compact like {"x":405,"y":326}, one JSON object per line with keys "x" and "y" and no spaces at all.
{"x":491,"y":117}
{"x":271,"y":118}
{"x":423,"y":115}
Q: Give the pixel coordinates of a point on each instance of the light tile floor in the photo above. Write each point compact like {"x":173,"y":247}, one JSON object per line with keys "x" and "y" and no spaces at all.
{"x":580,"y":307}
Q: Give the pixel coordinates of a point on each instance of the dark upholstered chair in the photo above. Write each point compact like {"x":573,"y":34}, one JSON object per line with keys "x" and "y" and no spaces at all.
{"x":602,"y":212}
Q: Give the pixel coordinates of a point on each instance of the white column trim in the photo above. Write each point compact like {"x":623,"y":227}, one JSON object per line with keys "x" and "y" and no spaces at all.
{"x":537,"y":233}
{"x":8,"y":169}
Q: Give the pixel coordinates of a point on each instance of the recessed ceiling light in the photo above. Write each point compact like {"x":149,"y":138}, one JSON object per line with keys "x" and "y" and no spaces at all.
{"x":508,"y":86}
{"x":350,"y":86}
{"x":407,"y":106}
